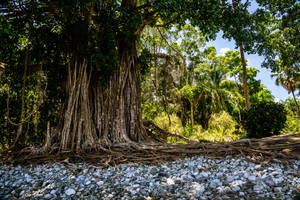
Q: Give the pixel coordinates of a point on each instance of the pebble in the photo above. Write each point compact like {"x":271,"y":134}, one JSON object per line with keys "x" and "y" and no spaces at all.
{"x":191,"y":178}
{"x":70,"y":191}
{"x":252,"y":179}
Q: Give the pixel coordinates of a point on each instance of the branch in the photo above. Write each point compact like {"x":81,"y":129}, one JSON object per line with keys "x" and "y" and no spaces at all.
{"x":166,"y":24}
{"x":163,"y":37}
{"x":147,"y":20}
{"x":163,"y":55}
{"x":152,"y":127}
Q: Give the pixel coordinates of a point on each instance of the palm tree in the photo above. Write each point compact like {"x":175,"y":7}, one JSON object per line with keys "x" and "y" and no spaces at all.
{"x":289,"y":79}
{"x":218,"y":93}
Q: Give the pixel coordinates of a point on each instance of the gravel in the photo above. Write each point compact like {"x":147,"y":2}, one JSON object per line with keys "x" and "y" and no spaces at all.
{"x":191,"y":178}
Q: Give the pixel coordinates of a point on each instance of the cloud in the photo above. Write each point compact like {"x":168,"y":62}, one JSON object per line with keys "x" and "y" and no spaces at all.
{"x":277,"y":100}
{"x":224,"y":50}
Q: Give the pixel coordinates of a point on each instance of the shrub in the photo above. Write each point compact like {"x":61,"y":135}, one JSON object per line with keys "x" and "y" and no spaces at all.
{"x":162,"y":121}
{"x":222,"y":128}
{"x":292,"y":124}
{"x":264,"y":119}
{"x":221,"y":120}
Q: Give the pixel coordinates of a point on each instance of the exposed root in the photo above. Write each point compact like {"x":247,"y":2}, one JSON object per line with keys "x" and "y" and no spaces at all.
{"x":273,"y":149}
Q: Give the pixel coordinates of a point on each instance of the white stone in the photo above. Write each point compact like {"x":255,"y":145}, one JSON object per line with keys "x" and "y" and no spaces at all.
{"x":237,"y":183}
{"x":257,"y":166}
{"x":204,"y":174}
{"x":70,"y":192}
{"x":258,"y":188}
{"x":252,"y":178}
{"x":53,"y":192}
{"x":170,"y":181}
{"x":88,"y":182}
{"x":246,"y":175}
{"x":22,"y":193}
{"x":236,"y":189}
{"x":278,"y":181}
{"x":242,"y":194}
{"x":214,"y":183}
{"x":48,"y":196}
{"x":100,"y":183}
{"x":277,"y":189}
{"x":229,"y":178}
{"x":198,"y":189}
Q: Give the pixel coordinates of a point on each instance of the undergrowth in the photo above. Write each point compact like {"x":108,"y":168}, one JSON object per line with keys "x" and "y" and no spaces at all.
{"x":222,"y":128}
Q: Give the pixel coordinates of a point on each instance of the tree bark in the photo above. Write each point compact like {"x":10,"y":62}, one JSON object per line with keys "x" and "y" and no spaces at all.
{"x":97,"y":116}
{"x":296,"y":103}
{"x":245,"y":84}
{"x":192,"y":114}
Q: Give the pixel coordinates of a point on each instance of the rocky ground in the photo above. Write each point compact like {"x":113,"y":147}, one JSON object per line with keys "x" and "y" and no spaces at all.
{"x":191,"y":178}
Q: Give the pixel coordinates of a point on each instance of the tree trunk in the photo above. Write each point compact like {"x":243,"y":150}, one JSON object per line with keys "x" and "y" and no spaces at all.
{"x":296,"y":103}
{"x":192,"y":114}
{"x":98,"y":116}
{"x":245,"y":84}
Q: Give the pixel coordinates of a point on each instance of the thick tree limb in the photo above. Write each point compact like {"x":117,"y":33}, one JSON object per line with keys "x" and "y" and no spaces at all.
{"x":147,"y":19}
{"x":166,"y":24}
{"x":149,"y":125}
{"x":163,"y":55}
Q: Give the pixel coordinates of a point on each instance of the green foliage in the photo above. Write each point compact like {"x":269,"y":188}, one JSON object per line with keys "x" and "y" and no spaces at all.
{"x":222,"y":128}
{"x":188,"y":131}
{"x":163,"y":122}
{"x":264,"y":119}
{"x":281,"y":27}
{"x":150,"y":110}
{"x":145,"y":62}
{"x":292,"y":124}
{"x":290,"y":104}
